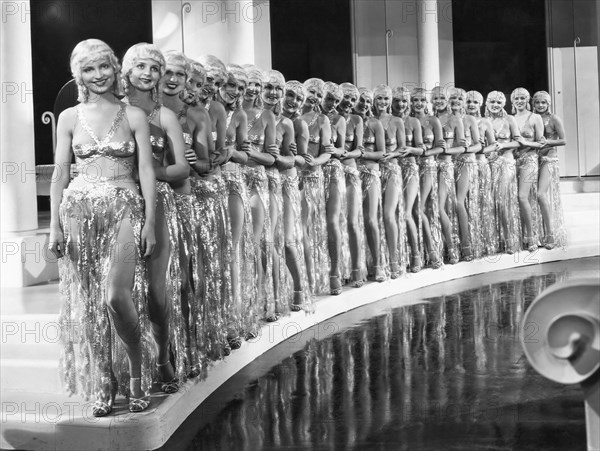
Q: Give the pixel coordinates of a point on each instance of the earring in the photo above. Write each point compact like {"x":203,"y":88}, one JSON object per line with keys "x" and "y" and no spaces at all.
{"x":82,"y":93}
{"x":125,"y":85}
{"x":155,"y":94}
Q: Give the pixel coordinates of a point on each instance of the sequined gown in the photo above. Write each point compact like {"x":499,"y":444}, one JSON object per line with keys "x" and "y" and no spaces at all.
{"x":528,"y":170}
{"x":354,"y":185}
{"x":428,"y":168}
{"x":258,"y":185}
{"x":504,"y":189}
{"x":410,"y":172}
{"x":391,"y":176}
{"x":466,"y":166}
{"x":333,"y":172}
{"x":370,"y":176}
{"x":313,"y":215}
{"x":549,"y":162}
{"x":92,"y":212}
{"x":446,"y":178}
{"x":243,"y":317}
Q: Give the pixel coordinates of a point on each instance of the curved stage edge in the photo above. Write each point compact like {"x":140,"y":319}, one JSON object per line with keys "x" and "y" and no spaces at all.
{"x":45,"y":422}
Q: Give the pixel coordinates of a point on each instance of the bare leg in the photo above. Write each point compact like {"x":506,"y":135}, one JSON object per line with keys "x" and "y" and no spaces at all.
{"x":526,"y":182}
{"x":236,"y":215}
{"x":426,"y":186}
{"x":258,"y":223}
{"x":158,"y":305}
{"x":545,"y":206}
{"x":120,"y":304}
{"x":334,"y":236}
{"x":444,"y":219}
{"x":275,"y":218}
{"x":411,"y":191}
{"x":310,"y":270}
{"x":391,"y":198}
{"x":462,"y":189}
{"x":370,"y":208}
{"x":354,"y":205}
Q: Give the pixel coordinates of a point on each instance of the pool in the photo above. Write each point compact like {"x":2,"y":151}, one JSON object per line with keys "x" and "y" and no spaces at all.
{"x":446,"y":372}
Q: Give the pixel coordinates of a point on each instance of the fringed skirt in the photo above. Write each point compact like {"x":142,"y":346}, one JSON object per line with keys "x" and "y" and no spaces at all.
{"x":428,"y":169}
{"x":410,"y":172}
{"x":528,"y":169}
{"x":333,"y":173}
{"x":315,"y":230}
{"x":354,"y":186}
{"x":165,"y":197}
{"x":291,"y":196}
{"x":559,"y":230}
{"x":504,"y":193}
{"x":284,"y":290}
{"x":371,"y":177}
{"x":488,"y":236}
{"x":446,"y":180}
{"x":214,"y":253}
{"x":257,"y":182}
{"x":245,"y":313}
{"x":391,"y":175}
{"x":183,"y":329}
{"x":91,"y":217}
{"x":466,"y":166}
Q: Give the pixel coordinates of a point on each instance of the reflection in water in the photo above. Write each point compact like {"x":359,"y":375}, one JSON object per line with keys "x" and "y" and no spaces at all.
{"x":449,"y":373}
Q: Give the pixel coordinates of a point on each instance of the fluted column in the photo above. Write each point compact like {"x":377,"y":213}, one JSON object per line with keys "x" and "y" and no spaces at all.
{"x":17,"y":150}
{"x":427,"y":41}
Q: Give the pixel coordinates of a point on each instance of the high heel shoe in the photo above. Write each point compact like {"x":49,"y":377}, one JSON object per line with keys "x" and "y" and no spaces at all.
{"x":234,"y":342}
{"x":297,"y":303}
{"x":529,"y":244}
{"x":171,"y":386}
{"x":335,"y":285}
{"x":138,"y":404}
{"x":436,"y":263}
{"x":452,"y":255}
{"x":379,"y":274}
{"x":357,"y":280}
{"x":549,"y":242}
{"x":467,"y":253}
{"x":415,"y":264}
{"x":394,"y":270}
{"x":106,"y":397}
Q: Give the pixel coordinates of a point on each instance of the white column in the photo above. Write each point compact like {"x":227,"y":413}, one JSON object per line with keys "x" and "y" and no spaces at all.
{"x":17,"y":151}
{"x":427,"y":40}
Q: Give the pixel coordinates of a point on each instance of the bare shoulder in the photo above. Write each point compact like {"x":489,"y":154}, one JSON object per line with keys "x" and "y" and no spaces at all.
{"x":134,"y":114}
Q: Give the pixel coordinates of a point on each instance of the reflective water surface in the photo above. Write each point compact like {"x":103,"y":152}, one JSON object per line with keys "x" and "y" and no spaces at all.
{"x":446,"y":373}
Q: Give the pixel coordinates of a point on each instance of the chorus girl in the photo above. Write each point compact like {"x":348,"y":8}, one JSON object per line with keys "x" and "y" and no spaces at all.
{"x":335,"y":191}
{"x":467,"y":181}
{"x":261,"y":149}
{"x":246,"y":310}
{"x":272,"y":93}
{"x":435,"y":144}
{"x":368,"y":166}
{"x":313,"y":191}
{"x":207,"y":95}
{"x":143,"y":67}
{"x":410,"y":174}
{"x":454,"y":137}
{"x":487,"y":226}
{"x":353,"y":150}
{"x":294,"y":98}
{"x":293,"y":284}
{"x":210,"y":233}
{"x":531,"y":140}
{"x":554,"y":233}
{"x":97,"y":219}
{"x":503,"y":172}
{"x":391,"y":180}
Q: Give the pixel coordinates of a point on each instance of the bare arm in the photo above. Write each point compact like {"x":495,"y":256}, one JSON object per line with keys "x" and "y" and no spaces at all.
{"x":379,"y":133}
{"x":560,"y":131}
{"x":475,"y":138}
{"x":438,"y":136}
{"x":60,"y":178}
{"x":459,"y":138}
{"x":141,"y":132}
{"x":180,"y":169}
{"x":264,"y":156}
{"x":301,"y":133}
{"x":325,"y":149}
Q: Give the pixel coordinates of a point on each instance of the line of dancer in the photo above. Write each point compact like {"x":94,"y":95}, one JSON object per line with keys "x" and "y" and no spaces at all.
{"x":206,"y":198}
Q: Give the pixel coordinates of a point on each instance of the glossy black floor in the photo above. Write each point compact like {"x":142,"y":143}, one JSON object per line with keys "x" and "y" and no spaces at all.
{"x":445,"y":373}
